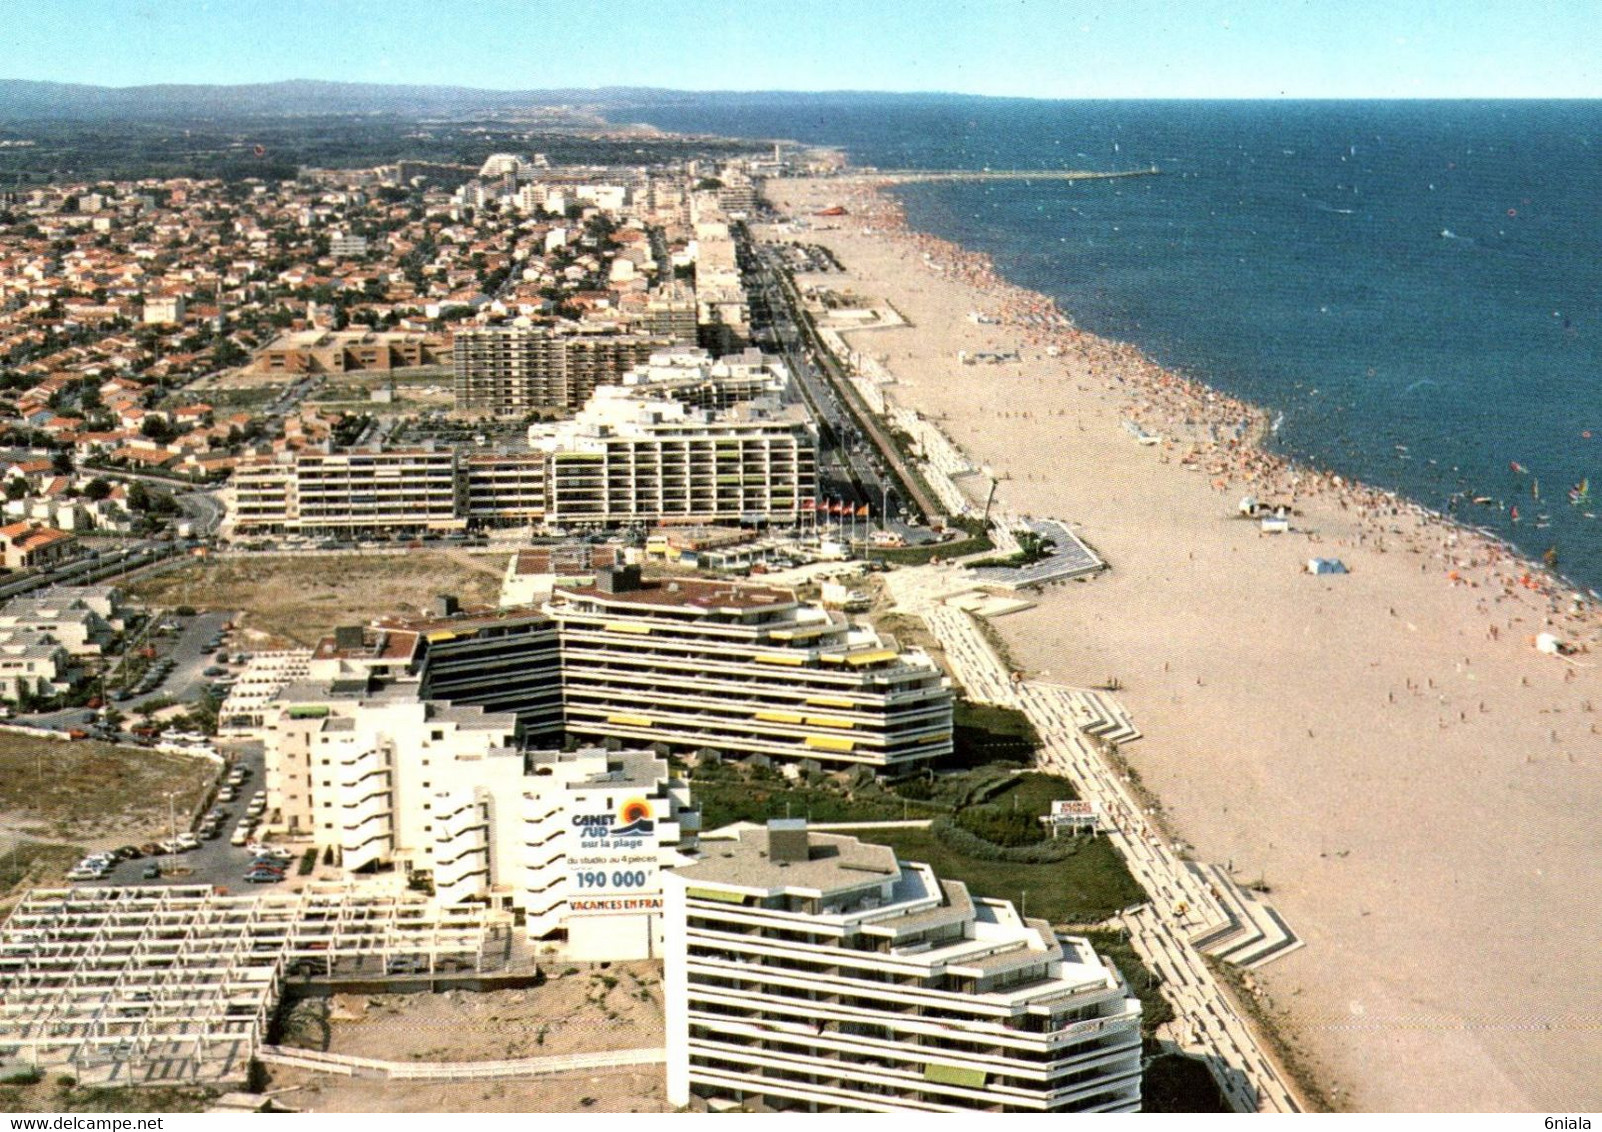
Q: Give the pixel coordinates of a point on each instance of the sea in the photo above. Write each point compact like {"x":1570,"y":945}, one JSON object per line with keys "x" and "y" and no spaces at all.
{"x":1411,"y":289}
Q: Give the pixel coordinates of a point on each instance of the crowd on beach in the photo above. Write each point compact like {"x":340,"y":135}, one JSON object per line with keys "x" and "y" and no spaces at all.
{"x":1223,"y":438}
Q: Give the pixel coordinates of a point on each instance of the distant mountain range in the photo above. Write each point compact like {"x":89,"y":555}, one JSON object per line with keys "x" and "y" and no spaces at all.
{"x":23,"y":99}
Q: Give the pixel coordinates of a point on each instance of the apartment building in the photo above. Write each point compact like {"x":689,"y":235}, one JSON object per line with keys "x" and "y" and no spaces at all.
{"x":813,"y":972}
{"x":506,"y":489}
{"x":633,"y":457}
{"x":350,"y":491}
{"x":742,"y":670}
{"x":508,"y":371}
{"x":388,"y":779}
{"x":348,"y":351}
{"x":505,"y":661}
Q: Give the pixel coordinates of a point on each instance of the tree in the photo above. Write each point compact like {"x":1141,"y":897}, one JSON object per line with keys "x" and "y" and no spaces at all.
{"x":138,"y":497}
{"x":156,"y":428}
{"x":61,"y":462}
{"x":16,"y":487}
{"x":97,"y":489}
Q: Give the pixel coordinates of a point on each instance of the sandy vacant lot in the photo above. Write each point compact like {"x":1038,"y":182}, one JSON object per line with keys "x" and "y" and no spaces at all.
{"x":295,"y":600}
{"x":583,"y":1008}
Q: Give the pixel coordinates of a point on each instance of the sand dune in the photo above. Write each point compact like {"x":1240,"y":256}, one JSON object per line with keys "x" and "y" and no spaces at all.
{"x":1418,"y":786}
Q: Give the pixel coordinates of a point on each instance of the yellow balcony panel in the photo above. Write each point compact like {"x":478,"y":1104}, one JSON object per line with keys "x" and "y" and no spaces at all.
{"x":943,"y":737}
{"x":630,"y":720}
{"x":439,"y":635}
{"x":778,"y":716}
{"x":790,"y":659}
{"x":830,"y":743}
{"x":626,"y":627}
{"x":829,"y":701}
{"x":828,"y":721}
{"x":875,"y":656}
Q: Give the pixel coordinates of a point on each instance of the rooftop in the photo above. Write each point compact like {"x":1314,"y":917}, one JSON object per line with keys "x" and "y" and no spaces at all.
{"x":833,"y":864}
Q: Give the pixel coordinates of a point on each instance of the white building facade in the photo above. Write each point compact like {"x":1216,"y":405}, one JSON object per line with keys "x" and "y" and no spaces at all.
{"x":813,"y":972}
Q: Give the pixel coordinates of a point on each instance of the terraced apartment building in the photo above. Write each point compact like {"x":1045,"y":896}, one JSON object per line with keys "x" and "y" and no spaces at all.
{"x":743,"y":670}
{"x":814,"y":972}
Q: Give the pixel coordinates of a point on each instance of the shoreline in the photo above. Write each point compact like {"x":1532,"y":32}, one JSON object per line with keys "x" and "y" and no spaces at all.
{"x":1386,"y":747}
{"x":1217,"y":408}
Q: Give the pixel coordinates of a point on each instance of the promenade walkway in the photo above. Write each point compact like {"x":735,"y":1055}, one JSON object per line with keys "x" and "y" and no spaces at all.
{"x":1182,"y":906}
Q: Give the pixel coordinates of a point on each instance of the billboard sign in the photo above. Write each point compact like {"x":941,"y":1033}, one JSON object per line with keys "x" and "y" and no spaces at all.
{"x":614,"y":863}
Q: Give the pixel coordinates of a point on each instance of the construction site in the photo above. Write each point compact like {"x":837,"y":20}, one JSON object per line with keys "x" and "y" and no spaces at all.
{"x":179,"y":984}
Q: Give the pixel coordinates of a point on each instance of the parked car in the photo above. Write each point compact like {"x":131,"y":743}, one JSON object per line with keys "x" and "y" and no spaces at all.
{"x":263,"y":876}
{"x":151,"y":872}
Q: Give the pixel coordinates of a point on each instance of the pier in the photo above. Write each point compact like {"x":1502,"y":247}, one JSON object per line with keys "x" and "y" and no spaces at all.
{"x":907,"y":176}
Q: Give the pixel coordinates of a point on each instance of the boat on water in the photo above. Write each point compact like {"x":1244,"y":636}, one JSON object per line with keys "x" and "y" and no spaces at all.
{"x":1580,"y":492}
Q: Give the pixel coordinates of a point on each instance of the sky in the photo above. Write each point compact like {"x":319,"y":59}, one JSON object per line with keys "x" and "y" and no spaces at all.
{"x":1022,"y":48}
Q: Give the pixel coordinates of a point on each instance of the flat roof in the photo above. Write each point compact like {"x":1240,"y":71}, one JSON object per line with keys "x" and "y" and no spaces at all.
{"x":691,"y":593}
{"x":833,"y":864}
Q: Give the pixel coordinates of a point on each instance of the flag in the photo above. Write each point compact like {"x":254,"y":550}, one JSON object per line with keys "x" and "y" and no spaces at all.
{"x":836,"y":509}
{"x":809,"y":505}
{"x":862,"y":512}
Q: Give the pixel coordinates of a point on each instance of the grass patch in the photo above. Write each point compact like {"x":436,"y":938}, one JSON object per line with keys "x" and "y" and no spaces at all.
{"x":1090,"y":886}
{"x":297,"y":600}
{"x":34,"y":864}
{"x":51,"y":1096}
{"x":723,"y":802}
{"x":84,"y":788}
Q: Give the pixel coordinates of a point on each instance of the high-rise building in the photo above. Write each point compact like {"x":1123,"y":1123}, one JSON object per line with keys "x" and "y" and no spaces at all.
{"x":812,"y":972}
{"x":509,"y":371}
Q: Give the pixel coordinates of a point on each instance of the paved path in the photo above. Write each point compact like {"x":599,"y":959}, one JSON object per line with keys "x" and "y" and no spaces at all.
{"x":1181,"y":908}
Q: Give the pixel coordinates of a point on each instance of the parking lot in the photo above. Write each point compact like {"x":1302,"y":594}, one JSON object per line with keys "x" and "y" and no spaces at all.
{"x":191,"y":654}
{"x":217,"y":862}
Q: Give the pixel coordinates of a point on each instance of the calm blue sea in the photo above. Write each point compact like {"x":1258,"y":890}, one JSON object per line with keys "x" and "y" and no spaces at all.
{"x":1415,"y":286}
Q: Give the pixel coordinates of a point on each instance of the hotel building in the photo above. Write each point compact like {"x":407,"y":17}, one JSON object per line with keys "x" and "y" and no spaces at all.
{"x":386,"y":779}
{"x":813,"y":972}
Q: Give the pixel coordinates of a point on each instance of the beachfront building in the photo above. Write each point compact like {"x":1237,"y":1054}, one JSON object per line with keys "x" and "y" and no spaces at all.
{"x":742,"y":670}
{"x":633,"y":457}
{"x":814,"y":972}
{"x":507,"y":371}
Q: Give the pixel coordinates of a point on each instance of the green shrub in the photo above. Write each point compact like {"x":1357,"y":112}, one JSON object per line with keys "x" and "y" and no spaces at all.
{"x":960,"y":840}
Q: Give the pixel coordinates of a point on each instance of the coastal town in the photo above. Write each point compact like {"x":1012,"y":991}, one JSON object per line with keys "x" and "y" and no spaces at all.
{"x":739,"y":644}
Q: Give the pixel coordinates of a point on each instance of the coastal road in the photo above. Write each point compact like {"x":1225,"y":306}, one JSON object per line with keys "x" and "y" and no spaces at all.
{"x":857,"y":420}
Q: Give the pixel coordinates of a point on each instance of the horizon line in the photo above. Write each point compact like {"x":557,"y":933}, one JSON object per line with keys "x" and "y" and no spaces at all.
{"x":825,"y":91}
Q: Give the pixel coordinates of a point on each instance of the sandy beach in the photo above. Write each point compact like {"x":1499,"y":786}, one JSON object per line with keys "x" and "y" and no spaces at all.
{"x":1385,"y":750}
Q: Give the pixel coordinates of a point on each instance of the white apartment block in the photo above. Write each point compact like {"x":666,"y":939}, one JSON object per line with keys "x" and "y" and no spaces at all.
{"x":813,"y":972}
{"x":574,"y":840}
{"x":742,"y":670}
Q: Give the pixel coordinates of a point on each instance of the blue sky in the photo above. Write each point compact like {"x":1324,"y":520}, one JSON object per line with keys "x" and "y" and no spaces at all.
{"x":1030,"y":48}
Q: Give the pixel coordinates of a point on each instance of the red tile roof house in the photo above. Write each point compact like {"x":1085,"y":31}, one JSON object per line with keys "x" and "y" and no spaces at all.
{"x":30,"y":545}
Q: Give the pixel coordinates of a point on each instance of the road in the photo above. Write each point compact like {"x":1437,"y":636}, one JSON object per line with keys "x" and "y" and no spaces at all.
{"x":872,"y":462}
